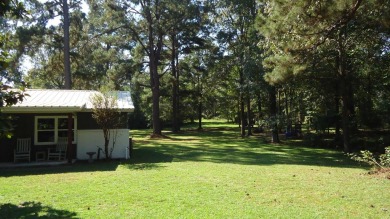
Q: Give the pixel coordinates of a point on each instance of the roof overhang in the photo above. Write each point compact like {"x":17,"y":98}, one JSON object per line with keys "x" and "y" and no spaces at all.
{"x":11,"y":110}
{"x":65,"y":101}
{"x":40,"y":109}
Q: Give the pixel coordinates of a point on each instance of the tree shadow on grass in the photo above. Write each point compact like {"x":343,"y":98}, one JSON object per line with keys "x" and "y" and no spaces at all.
{"x":33,"y":210}
{"x":146,"y":159}
{"x":80,"y":166}
{"x":215,"y":146}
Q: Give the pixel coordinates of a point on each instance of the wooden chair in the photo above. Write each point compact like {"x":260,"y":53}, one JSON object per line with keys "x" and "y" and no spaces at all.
{"x":23,"y":149}
{"x":60,"y":151}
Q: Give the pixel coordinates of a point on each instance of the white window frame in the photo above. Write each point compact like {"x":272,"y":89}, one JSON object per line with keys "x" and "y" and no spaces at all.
{"x":55,"y":129}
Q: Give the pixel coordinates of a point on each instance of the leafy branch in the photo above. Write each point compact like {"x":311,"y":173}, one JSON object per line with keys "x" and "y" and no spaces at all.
{"x":382,"y":161}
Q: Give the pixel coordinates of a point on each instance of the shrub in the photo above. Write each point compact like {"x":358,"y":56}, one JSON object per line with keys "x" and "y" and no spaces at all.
{"x":382,"y":161}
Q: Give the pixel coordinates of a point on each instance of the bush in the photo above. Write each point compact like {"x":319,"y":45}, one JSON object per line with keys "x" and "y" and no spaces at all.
{"x":379,"y":162}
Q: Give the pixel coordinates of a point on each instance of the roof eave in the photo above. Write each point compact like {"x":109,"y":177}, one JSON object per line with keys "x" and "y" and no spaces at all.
{"x":41,"y":109}
{"x":54,"y":110}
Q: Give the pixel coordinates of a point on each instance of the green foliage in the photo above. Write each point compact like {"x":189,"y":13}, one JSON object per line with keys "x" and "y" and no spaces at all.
{"x":12,"y":8}
{"x":9,"y":97}
{"x":274,"y":123}
{"x":108,"y":117}
{"x":381,"y":161}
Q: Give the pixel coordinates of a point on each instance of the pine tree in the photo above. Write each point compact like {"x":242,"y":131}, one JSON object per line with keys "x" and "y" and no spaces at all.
{"x":301,"y":34}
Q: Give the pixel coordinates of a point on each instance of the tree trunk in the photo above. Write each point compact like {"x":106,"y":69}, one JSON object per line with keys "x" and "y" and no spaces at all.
{"x":154,"y":56}
{"x":156,"y":102}
{"x":175,"y":87}
{"x":242,"y":104}
{"x":345,"y":86}
{"x":68,"y":77}
{"x":200,"y":105}
{"x":249,"y":115}
{"x":288,"y":120}
{"x":337,"y":117}
{"x":200,"y":115}
{"x":259,"y":114}
{"x":259,"y":104}
{"x":106,"y":133}
{"x":273,"y":114}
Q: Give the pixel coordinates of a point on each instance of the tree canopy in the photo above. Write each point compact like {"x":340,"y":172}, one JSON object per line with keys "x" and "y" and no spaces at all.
{"x":266,"y":65}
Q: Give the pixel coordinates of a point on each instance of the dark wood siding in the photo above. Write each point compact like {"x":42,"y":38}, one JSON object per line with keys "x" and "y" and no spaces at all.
{"x":85,"y":121}
{"x":24,"y":128}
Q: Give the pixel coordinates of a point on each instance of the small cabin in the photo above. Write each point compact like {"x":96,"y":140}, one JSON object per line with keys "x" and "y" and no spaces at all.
{"x":45,"y":116}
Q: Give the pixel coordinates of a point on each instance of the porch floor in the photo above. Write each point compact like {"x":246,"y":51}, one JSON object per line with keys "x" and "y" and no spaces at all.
{"x":32,"y":164}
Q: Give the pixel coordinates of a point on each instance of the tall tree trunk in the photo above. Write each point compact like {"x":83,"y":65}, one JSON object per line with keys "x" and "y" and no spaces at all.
{"x":68,"y":77}
{"x":345,"y":93}
{"x":259,"y":104}
{"x":249,"y":116}
{"x":242,"y":104}
{"x":175,"y":86}
{"x":288,"y":120}
{"x":200,"y":105}
{"x":259,"y":114}
{"x":155,"y":85}
{"x":155,"y":100}
{"x":200,"y":115}
{"x":337,"y":117}
{"x":154,"y":51}
{"x":67,"y":73}
{"x":273,"y":114}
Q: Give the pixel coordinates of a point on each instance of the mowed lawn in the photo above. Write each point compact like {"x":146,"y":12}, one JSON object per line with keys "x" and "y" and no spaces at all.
{"x":209,"y":174}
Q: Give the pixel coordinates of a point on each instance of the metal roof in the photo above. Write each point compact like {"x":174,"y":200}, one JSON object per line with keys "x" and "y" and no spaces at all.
{"x":69,"y":101}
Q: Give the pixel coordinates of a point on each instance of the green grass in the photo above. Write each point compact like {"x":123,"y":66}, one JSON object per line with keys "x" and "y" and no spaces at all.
{"x":207,"y":174}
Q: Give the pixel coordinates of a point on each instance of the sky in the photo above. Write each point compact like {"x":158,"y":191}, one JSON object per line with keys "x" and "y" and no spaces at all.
{"x":56,"y":21}
{"x":26,"y":64}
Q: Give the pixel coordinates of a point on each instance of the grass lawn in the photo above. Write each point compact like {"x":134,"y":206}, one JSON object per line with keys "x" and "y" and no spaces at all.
{"x":209,"y":174}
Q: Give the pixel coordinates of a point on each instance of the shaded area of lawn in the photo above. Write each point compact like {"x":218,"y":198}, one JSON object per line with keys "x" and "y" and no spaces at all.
{"x":33,"y":210}
{"x":223,"y":145}
{"x":80,"y":166}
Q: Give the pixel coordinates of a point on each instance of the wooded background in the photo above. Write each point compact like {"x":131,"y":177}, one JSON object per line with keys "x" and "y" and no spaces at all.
{"x":271,"y":65}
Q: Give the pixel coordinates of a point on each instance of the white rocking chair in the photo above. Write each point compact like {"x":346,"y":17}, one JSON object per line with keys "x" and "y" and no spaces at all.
{"x":23,"y":149}
{"x":60,"y":151}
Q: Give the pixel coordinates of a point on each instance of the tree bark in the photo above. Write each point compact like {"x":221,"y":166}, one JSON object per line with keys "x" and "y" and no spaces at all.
{"x":175,"y":86}
{"x":259,"y":104}
{"x":67,"y":71}
{"x":154,"y":51}
{"x":288,"y":120}
{"x":200,"y":105}
{"x":154,"y":78}
{"x":345,"y":86}
{"x":273,"y":114}
{"x":249,"y":116}
{"x":242,"y":104}
{"x":337,"y":117}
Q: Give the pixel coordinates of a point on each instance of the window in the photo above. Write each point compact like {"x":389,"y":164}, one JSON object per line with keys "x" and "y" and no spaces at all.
{"x":49,"y":128}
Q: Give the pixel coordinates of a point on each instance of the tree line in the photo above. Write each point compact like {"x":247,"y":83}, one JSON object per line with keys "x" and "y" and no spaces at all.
{"x":263,"y":64}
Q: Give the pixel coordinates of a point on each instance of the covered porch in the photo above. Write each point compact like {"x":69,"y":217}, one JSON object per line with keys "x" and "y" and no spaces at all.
{"x":46,"y":116}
